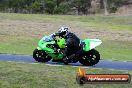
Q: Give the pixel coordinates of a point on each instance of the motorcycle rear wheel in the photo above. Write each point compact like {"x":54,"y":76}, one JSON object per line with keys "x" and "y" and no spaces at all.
{"x":41,"y":56}
{"x":90,"y":58}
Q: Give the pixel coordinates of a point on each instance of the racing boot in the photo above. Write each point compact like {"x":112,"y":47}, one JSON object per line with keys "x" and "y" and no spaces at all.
{"x":65,"y":60}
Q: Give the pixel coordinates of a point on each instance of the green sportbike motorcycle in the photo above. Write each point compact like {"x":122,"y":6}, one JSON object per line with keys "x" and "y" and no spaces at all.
{"x":48,"y":50}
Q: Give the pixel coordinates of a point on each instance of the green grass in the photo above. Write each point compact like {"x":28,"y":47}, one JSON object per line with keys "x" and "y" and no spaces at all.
{"x":110,"y":49}
{"x":18,"y":45}
{"x":116,"y":50}
{"x":24,"y":75}
{"x":98,"y":22}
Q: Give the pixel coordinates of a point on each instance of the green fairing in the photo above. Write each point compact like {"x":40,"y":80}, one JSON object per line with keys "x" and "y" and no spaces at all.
{"x":39,"y":48}
{"x":42,"y":45}
{"x":91,"y":43}
{"x":87,"y":45}
{"x":47,"y":40}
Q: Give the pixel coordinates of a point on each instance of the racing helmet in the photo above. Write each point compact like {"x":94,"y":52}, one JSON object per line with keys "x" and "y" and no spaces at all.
{"x":63,"y":31}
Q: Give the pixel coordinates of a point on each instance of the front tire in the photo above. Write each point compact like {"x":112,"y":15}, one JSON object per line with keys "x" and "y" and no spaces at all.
{"x":41,"y":56}
{"x":90,"y":58}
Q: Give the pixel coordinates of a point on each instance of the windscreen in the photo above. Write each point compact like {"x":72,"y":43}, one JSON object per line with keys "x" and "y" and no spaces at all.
{"x":47,"y":38}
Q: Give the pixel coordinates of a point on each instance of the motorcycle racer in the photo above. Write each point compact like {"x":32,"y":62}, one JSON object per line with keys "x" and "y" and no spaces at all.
{"x":73,"y":45}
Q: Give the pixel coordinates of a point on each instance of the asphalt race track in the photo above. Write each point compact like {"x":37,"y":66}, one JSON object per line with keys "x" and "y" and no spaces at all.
{"x":116,"y":65}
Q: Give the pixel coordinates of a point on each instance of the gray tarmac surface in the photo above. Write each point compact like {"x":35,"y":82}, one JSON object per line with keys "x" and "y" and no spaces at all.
{"x":116,"y":65}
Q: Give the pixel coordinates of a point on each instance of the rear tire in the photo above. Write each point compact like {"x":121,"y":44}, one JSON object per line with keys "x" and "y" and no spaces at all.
{"x":41,"y":56}
{"x":90,"y":58}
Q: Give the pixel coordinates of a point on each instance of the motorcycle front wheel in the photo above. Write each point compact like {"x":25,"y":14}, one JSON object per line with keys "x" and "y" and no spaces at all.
{"x":41,"y":56}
